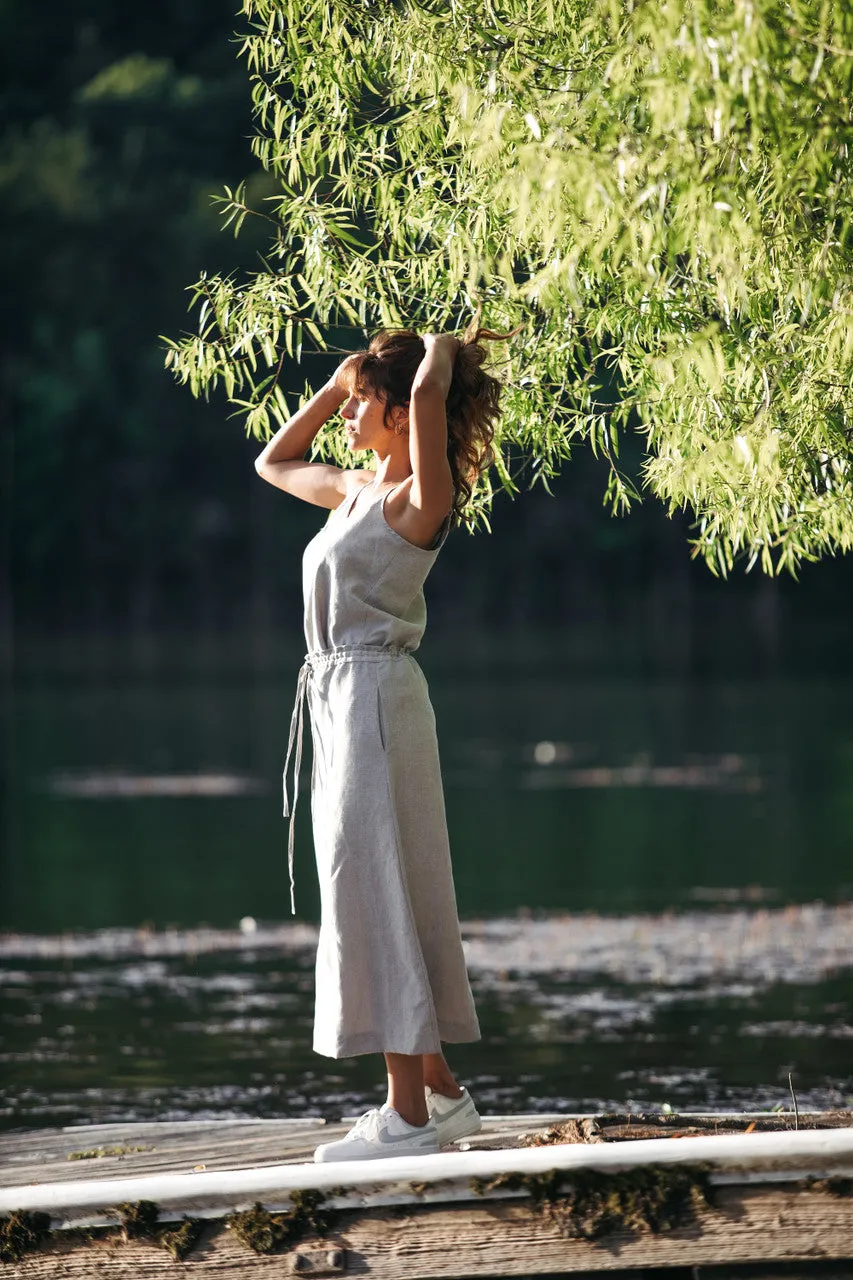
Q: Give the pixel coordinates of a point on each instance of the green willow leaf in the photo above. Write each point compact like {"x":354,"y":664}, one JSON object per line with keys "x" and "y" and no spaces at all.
{"x":658,"y":191}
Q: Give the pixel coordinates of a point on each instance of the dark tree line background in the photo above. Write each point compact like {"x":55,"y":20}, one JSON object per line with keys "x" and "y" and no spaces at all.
{"x":130,"y":509}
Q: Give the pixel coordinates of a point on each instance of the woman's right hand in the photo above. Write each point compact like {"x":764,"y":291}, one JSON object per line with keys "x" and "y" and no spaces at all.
{"x":283,"y":462}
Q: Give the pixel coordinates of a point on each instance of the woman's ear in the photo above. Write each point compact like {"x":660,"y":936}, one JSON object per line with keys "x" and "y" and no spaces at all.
{"x":400,"y":418}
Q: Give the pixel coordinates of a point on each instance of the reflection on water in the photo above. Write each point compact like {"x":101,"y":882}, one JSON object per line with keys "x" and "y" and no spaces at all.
{"x":728,"y":773}
{"x":565,"y":765}
{"x":136,"y":786}
{"x":793,"y":945}
{"x":706,"y":1010}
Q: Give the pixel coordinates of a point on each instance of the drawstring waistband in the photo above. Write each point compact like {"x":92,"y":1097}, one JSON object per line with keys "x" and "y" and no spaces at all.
{"x":315,"y":661}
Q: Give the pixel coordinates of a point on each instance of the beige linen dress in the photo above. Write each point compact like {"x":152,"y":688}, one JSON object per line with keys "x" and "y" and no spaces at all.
{"x":390,"y":972}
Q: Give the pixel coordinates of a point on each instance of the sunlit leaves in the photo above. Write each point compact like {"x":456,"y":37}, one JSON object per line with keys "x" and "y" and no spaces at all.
{"x":658,"y":190}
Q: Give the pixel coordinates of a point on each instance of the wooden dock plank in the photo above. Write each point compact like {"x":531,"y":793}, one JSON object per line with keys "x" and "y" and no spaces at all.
{"x":120,"y":1150}
{"x":506,"y":1238}
{"x":117,"y":1150}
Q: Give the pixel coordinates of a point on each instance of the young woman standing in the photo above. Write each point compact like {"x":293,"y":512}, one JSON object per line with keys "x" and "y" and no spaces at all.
{"x":390,"y":973}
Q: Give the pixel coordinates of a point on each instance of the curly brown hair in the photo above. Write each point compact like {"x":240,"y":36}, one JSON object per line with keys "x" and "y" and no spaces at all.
{"x":387,"y":369}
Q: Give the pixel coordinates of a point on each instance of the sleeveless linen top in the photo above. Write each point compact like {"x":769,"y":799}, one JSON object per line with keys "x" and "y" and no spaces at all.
{"x":363,"y":582}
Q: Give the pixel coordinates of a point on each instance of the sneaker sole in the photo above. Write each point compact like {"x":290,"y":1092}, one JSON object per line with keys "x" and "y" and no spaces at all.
{"x":375,"y":1155}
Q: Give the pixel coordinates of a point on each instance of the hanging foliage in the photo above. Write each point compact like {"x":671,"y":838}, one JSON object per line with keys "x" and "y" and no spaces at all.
{"x":658,"y":191}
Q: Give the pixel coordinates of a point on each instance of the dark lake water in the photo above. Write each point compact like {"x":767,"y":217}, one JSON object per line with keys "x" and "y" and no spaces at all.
{"x":634,"y":861}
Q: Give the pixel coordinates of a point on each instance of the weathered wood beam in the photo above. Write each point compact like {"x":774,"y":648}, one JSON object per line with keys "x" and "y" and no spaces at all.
{"x":494,"y":1238}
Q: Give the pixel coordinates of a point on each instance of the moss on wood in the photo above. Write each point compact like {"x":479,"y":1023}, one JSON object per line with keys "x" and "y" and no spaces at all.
{"x":590,"y":1204}
{"x":841,"y":1187}
{"x":181,"y":1240}
{"x":140,"y":1222}
{"x":98,"y":1153}
{"x":258,"y":1229}
{"x":265,"y":1232}
{"x":21,"y":1233}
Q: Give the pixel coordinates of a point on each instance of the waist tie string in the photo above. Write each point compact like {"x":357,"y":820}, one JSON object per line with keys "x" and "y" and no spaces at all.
{"x":294,"y":739}
{"x":321,"y":658}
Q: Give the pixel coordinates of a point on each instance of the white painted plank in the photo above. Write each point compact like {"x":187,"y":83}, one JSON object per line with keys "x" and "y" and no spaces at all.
{"x":824,"y":1152}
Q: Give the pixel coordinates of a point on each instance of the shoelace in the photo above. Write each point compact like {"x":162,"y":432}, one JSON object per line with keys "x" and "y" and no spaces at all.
{"x":367,"y":1126}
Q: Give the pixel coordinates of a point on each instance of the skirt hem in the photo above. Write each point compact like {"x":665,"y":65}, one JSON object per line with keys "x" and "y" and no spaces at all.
{"x":372,"y":1042}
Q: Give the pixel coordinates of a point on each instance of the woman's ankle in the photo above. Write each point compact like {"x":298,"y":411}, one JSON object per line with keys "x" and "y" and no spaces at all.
{"x":413,"y":1115}
{"x":447,"y":1088}
{"x":439,"y":1077}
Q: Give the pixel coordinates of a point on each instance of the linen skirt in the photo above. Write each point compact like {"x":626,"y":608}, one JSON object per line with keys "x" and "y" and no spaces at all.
{"x":390,"y":971}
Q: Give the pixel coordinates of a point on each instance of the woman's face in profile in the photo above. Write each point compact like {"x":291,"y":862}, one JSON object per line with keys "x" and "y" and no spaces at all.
{"x":364,"y":422}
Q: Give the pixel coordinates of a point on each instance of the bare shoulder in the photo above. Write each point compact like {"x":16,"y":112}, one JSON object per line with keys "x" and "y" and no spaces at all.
{"x":415,"y":523}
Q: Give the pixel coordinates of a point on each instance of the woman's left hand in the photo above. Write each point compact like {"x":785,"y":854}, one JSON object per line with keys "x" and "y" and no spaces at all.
{"x":445,"y":341}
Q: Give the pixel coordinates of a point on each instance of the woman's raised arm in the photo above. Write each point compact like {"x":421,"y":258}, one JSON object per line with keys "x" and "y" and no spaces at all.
{"x":431,"y":494}
{"x":282,"y":462}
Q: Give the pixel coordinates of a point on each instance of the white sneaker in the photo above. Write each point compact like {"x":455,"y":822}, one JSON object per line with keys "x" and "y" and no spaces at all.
{"x":380,"y":1134}
{"x":454,"y":1117}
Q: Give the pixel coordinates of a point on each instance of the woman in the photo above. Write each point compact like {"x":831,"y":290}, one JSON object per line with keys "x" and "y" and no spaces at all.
{"x":390,"y":974}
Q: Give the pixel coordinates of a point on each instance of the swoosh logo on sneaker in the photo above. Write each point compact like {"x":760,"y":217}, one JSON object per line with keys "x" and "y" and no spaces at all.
{"x":384,"y":1136}
{"x":447,"y":1115}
